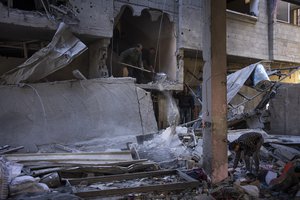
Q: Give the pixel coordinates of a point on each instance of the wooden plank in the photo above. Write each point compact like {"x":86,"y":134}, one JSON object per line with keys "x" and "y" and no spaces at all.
{"x":141,"y":189}
{"x":129,"y":176}
{"x":185,"y":176}
{"x":46,"y":171}
{"x":11,"y":150}
{"x":80,"y":163}
{"x":98,"y":169}
{"x":94,"y":156}
{"x":4,"y":147}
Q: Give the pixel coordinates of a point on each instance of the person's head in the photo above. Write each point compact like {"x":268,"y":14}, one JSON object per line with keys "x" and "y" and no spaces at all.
{"x":185,"y":89}
{"x":234,"y":146}
{"x":139,"y":47}
{"x":152,"y":50}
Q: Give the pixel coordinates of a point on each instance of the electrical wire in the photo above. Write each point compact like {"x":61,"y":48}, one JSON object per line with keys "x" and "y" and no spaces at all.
{"x":159,"y":32}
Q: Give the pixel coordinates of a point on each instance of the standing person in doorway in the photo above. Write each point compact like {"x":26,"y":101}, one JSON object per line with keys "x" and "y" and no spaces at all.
{"x":133,"y":56}
{"x":186,"y":105}
{"x":149,"y":62}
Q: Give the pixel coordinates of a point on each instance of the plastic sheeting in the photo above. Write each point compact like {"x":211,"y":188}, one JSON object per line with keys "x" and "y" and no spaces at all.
{"x":63,"y":48}
{"x":235,"y":81}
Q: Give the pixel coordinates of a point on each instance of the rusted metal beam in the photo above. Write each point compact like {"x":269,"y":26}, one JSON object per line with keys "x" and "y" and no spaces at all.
{"x":11,"y":150}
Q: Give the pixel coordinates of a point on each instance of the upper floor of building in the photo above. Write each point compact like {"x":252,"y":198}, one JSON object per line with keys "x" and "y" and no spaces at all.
{"x":255,"y":28}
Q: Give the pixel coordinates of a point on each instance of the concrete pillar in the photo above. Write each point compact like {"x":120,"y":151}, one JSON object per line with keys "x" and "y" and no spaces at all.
{"x":272,"y":7}
{"x":180,"y":67}
{"x":214,"y":90}
{"x":97,"y":58}
{"x":162,"y":110}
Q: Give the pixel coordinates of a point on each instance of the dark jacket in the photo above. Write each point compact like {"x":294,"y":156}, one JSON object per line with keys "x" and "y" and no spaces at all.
{"x":132,"y":56}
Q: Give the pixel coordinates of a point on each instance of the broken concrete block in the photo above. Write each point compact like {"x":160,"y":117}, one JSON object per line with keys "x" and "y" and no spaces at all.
{"x":252,"y":190}
{"x":284,"y":152}
{"x":26,"y":184}
{"x":20,"y":183}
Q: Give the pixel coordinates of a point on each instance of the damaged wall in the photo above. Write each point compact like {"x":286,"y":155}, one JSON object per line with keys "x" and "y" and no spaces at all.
{"x":247,"y":36}
{"x":242,"y":30}
{"x":149,"y":31}
{"x":286,"y":41}
{"x":285,"y":109}
{"x":193,"y":66}
{"x":168,"y":6}
{"x":190,"y":31}
{"x":73,"y":111}
{"x":87,"y":18}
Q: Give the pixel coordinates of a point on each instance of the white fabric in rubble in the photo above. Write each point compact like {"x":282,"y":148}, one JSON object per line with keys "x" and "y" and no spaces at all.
{"x":236,"y":80}
{"x":63,"y":48}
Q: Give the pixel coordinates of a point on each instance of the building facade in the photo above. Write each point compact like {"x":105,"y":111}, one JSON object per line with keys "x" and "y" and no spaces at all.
{"x":256,"y":30}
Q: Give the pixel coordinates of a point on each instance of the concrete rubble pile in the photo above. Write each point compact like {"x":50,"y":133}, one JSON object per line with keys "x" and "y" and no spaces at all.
{"x":160,"y":165}
{"x":87,"y":175}
{"x":279,"y":169}
{"x":163,"y":165}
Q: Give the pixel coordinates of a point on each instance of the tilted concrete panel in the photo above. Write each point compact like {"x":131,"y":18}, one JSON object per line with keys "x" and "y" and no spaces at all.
{"x":73,"y":111}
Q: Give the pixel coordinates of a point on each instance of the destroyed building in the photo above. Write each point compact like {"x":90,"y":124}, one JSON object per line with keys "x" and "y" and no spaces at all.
{"x":62,"y":81}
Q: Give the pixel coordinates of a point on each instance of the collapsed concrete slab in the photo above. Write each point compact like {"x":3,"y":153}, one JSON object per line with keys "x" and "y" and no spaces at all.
{"x":284,"y":110}
{"x":63,"y":48}
{"x":73,"y":111}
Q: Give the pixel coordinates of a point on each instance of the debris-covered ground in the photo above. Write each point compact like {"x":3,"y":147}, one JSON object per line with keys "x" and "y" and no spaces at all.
{"x":165,"y":165}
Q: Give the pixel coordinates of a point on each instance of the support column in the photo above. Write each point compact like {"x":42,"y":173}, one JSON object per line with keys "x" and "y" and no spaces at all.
{"x":272,"y":9}
{"x":214,"y":90}
{"x":180,"y":67}
{"x":97,"y":59}
{"x":162,"y":110}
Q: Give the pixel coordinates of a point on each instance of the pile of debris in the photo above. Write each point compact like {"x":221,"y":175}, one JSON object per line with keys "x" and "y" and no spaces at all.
{"x":87,"y":175}
{"x":279,"y":174}
{"x":159,"y":166}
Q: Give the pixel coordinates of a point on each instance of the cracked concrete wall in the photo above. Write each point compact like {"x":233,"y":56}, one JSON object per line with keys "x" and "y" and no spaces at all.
{"x":73,"y":111}
{"x":286,"y":42}
{"x":247,"y":36}
{"x":285,"y":109}
{"x":168,"y":6}
{"x":95,"y":18}
{"x":190,"y":31}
